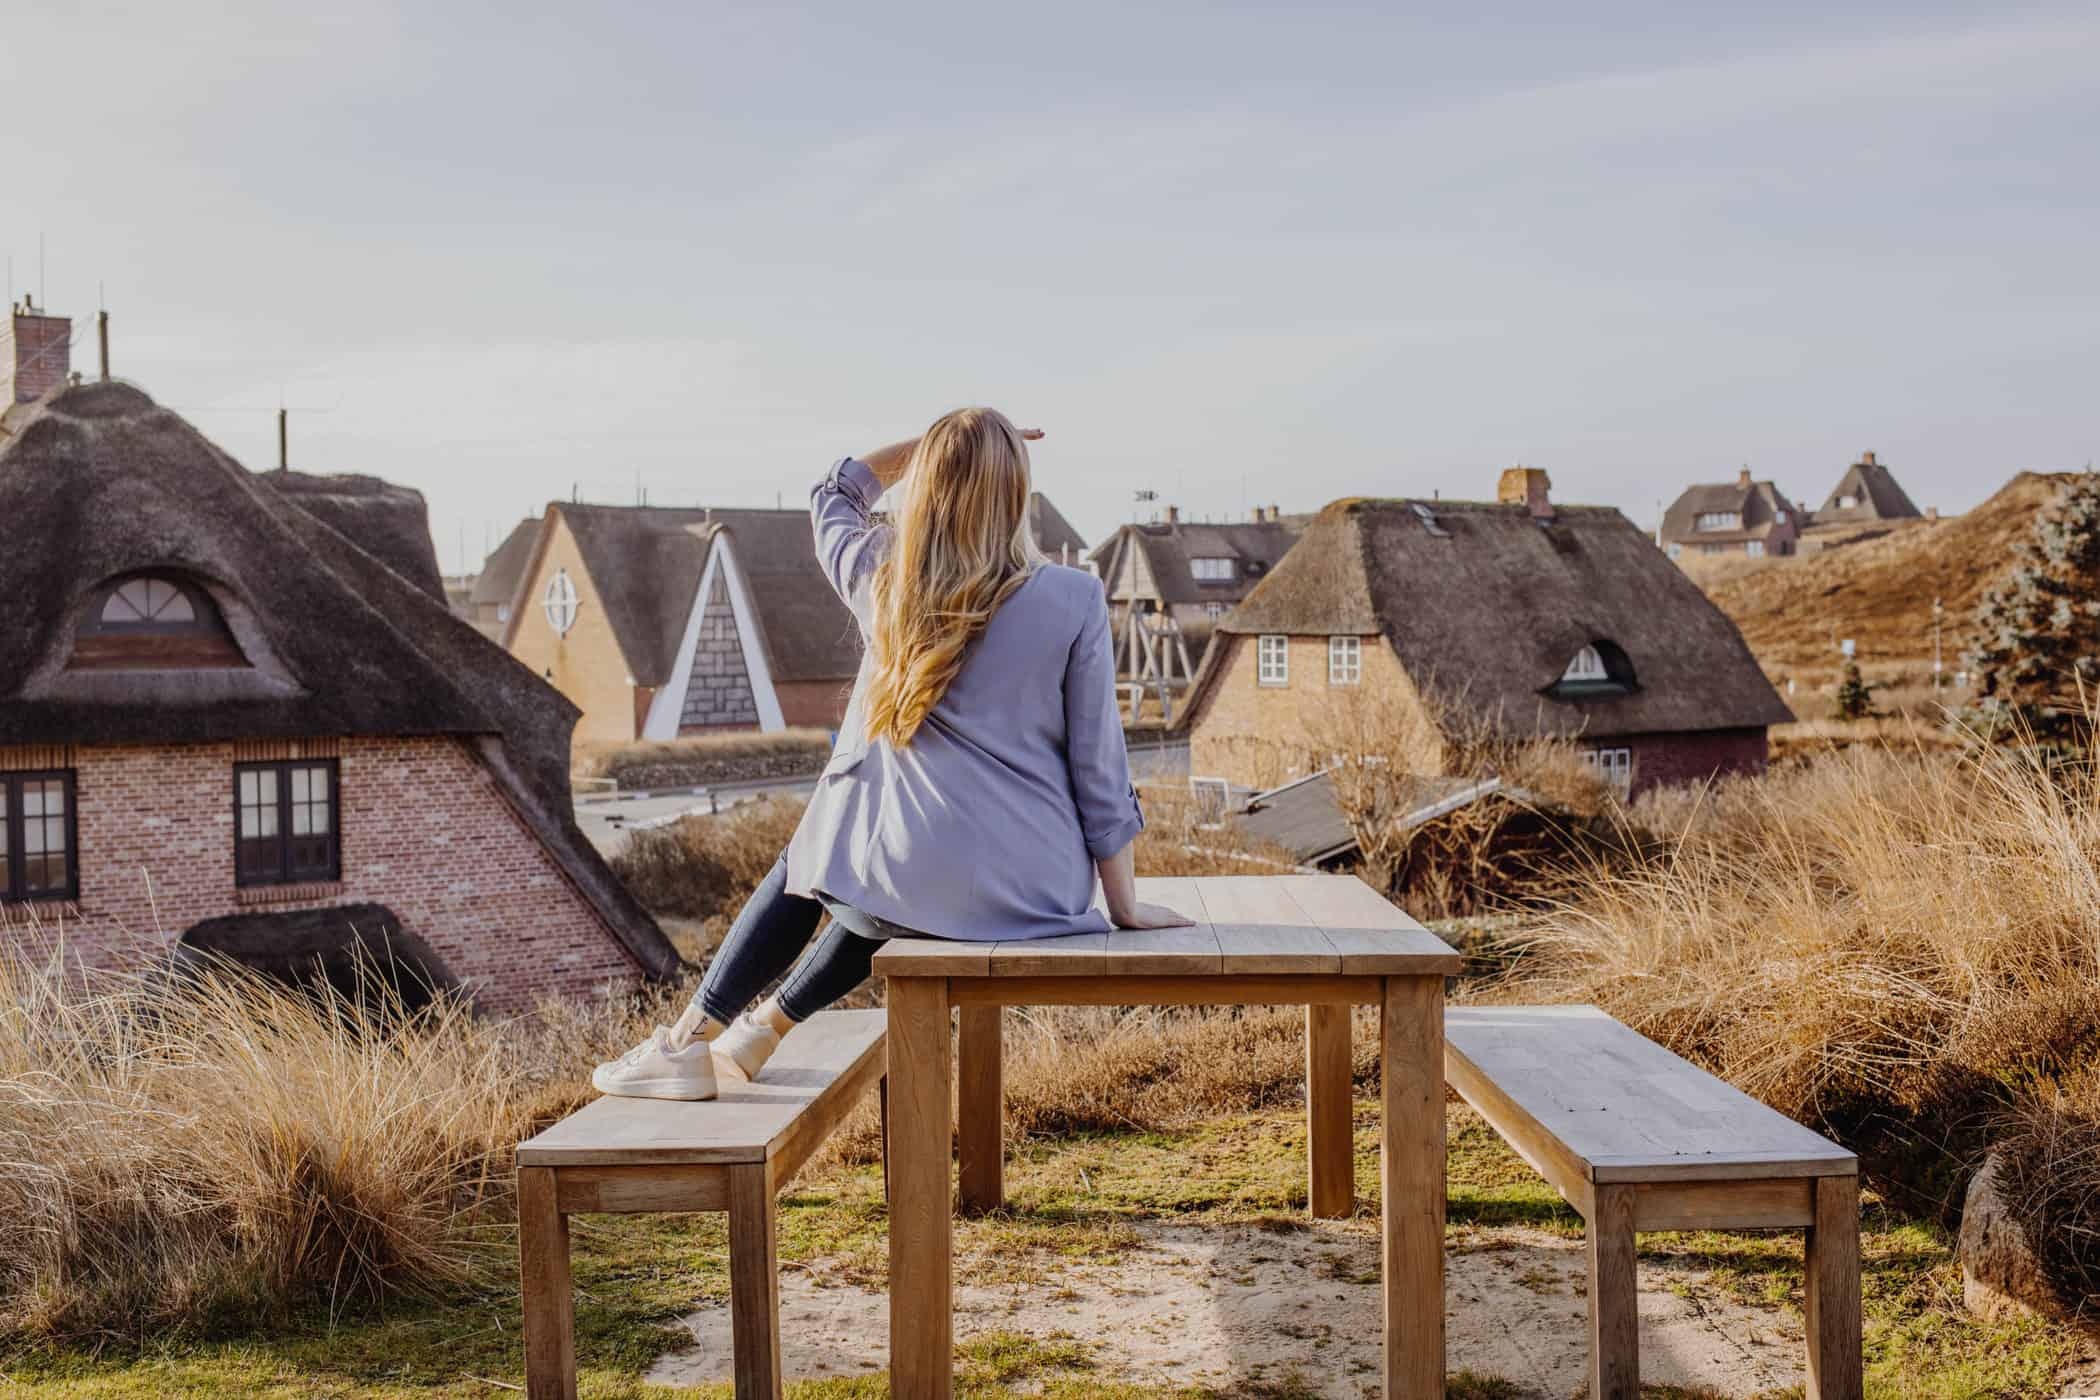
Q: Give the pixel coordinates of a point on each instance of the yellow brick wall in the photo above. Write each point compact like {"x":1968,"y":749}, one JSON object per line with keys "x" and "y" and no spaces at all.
{"x":1261,"y":736}
{"x":587,"y":664}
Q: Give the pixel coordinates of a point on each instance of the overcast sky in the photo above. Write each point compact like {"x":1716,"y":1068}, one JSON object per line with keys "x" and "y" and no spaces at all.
{"x":1235,"y":255}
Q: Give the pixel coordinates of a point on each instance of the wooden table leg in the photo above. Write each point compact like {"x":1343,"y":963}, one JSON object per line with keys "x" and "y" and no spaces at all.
{"x":1615,"y":1345}
{"x":882,"y":1123}
{"x":1330,"y":1144}
{"x":980,"y":1127}
{"x":1411,"y":1184}
{"x":1831,"y":1301}
{"x":754,"y":1283}
{"x":546,"y":1296}
{"x":922,"y":1319}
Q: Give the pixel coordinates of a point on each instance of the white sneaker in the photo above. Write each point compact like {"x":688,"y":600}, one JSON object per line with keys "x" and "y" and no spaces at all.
{"x":747,"y":1044}
{"x":653,"y":1070}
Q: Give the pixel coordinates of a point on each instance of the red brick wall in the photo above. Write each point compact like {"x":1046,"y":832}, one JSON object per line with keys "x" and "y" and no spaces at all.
{"x":814,"y":704}
{"x":424,"y":832}
{"x":1664,"y":760}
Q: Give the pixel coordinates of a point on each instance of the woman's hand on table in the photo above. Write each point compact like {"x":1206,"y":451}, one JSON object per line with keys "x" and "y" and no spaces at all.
{"x":1142,"y":915}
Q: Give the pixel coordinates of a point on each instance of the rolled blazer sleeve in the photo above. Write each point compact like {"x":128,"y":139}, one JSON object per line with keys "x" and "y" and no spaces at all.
{"x":849,"y":545}
{"x":1109,"y":815}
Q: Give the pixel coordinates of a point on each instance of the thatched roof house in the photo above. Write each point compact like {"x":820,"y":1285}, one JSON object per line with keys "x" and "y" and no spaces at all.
{"x":171,"y":614}
{"x":1522,"y":616}
{"x":1866,"y":494}
{"x":658,"y":621}
{"x":489,"y":601}
{"x":1743,"y":516}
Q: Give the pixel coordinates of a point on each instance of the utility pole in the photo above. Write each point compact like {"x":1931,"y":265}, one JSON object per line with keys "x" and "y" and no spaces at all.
{"x":284,"y":445}
{"x":102,"y":337}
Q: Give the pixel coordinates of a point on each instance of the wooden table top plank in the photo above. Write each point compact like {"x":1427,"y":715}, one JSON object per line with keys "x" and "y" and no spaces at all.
{"x":1261,"y":928}
{"x":1167,"y":952}
{"x":933,"y":957}
{"x":1599,"y":1087}
{"x":1290,"y":925}
{"x":743,"y":1124}
{"x":1073,"y":955}
{"x":1369,"y":932}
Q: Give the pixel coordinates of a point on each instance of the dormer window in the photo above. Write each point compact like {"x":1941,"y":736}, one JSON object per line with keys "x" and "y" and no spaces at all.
{"x":1596,"y":671}
{"x":1587,"y":666}
{"x":1211,"y":570}
{"x":152,"y":622}
{"x":1719,"y":520}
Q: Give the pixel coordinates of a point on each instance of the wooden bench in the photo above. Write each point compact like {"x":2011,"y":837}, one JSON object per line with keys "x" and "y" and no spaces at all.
{"x":1324,"y":942}
{"x":732,"y":1153}
{"x":1637,"y":1139}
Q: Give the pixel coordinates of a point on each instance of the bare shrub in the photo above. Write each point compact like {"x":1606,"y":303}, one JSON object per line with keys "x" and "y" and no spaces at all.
{"x":705,"y":867}
{"x":706,"y":758}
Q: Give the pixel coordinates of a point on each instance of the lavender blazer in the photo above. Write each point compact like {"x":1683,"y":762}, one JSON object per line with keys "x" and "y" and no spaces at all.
{"x":986,"y":825}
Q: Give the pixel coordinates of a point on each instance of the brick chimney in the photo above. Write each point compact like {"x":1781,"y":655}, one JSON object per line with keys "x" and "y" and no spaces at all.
{"x":1173,"y":515}
{"x":38,"y":356}
{"x":1742,"y":478}
{"x":1528,"y":487}
{"x":1866,"y":459}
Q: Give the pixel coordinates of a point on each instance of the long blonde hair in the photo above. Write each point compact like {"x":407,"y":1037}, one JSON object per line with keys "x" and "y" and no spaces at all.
{"x":962,"y":547}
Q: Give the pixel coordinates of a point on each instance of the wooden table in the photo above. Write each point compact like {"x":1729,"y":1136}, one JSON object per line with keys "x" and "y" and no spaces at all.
{"x":1325,"y":942}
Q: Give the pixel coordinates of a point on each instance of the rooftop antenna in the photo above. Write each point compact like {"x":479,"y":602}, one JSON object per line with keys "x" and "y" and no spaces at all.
{"x":284,"y":435}
{"x":102,"y":326}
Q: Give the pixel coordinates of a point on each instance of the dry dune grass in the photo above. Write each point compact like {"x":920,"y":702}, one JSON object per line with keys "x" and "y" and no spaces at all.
{"x":1900,"y":946}
{"x":181,"y":1154}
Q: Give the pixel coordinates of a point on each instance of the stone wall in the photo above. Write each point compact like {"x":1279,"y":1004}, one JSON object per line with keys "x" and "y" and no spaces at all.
{"x":718,"y":696}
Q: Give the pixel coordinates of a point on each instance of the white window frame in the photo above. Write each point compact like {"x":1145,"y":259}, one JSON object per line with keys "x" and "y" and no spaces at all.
{"x":1754,"y":548}
{"x":1613,"y":765}
{"x":1212,"y":569}
{"x":560,"y":603}
{"x":1345,"y":660}
{"x":1214,"y":610}
{"x":1719,"y":520}
{"x":1780,"y":516}
{"x":1272,"y":659}
{"x":1676,"y":551}
{"x":1586,"y":665}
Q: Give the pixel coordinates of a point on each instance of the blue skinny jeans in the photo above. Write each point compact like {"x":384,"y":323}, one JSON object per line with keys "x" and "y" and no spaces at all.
{"x":770,"y":932}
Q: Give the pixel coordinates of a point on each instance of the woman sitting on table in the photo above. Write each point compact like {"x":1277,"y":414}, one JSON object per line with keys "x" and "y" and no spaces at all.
{"x":979,"y":783}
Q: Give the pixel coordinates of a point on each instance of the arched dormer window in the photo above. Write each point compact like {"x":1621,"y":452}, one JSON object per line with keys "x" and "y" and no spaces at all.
{"x":1597,"y":670}
{"x":152,"y":622}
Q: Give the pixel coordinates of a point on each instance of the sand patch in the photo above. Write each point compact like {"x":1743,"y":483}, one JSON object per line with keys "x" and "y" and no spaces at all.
{"x":1187,"y":1305}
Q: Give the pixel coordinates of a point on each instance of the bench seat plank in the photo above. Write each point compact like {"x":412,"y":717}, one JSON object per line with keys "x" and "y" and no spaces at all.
{"x":1621,"y":1108}
{"x":817,"y":1074}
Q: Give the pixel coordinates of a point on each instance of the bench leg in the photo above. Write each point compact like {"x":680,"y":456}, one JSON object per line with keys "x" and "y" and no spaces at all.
{"x":1831,"y":1299}
{"x":882,"y":1111}
{"x":1330,"y":1188}
{"x":754,"y":1284}
{"x":922,"y":1321}
{"x":1615,"y":1347}
{"x":544,"y":1290}
{"x":981,"y":1108}
{"x":1411,"y":1184}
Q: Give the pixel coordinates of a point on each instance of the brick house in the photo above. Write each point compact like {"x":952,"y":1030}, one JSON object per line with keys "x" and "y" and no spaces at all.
{"x":658,"y":622}
{"x":1745,"y":516}
{"x":1169,"y":581}
{"x":235,"y":708}
{"x":1524,"y":616}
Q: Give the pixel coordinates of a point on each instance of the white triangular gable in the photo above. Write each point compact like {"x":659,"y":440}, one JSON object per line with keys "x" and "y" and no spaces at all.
{"x":668,"y":706}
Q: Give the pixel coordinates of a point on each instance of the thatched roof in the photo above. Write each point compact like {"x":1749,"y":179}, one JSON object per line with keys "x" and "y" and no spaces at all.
{"x":1485,"y":607}
{"x":388,"y":522}
{"x":344,"y":945}
{"x":647,"y":561}
{"x":1054,"y":534}
{"x":500,"y":572}
{"x":1875,"y":488}
{"x":1758,"y":503}
{"x":98,"y":481}
{"x":1165,"y":548}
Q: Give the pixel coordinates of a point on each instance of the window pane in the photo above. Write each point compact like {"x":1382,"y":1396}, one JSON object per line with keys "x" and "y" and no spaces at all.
{"x":33,"y":799}
{"x":248,"y":789}
{"x":302,"y":820}
{"x":299,"y":781}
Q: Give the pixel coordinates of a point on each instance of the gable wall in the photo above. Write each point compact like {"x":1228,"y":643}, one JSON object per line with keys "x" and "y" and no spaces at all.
{"x":587,"y":664}
{"x":719,"y":695}
{"x":1262,"y":736}
{"x":424,"y":832}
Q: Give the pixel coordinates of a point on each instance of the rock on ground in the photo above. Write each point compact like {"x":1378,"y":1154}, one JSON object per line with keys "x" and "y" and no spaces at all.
{"x":1188,"y":1305}
{"x":2001,"y":1277}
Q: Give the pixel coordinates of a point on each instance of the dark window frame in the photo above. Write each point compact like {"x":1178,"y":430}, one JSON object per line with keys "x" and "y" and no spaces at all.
{"x":286,"y":875}
{"x":13,"y":879}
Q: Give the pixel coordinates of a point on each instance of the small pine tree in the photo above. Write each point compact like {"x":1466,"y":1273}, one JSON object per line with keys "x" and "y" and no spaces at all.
{"x":1855,"y":698}
{"x":2037,"y":653}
